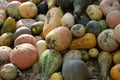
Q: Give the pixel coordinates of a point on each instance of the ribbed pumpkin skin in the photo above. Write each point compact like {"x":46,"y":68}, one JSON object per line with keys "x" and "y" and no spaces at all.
{"x":50,"y":61}
{"x":75,"y":69}
{"x":24,"y":55}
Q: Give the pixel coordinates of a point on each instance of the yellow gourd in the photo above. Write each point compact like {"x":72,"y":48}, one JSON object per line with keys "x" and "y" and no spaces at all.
{"x":85,"y":42}
{"x":56,"y":76}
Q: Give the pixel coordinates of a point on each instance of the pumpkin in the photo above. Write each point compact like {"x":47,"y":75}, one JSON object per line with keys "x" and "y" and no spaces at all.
{"x":28,"y":9}
{"x":24,"y":55}
{"x":8,"y":71}
{"x":94,"y":12}
{"x":94,"y":27}
{"x":25,"y":38}
{"x":37,"y":27}
{"x":4,"y":54}
{"x":75,"y":69}
{"x":50,"y":61}
{"x":72,"y":54}
{"x":78,"y":30}
{"x":113,"y":18}
{"x":6,"y":39}
{"x":116,"y":59}
{"x":9,"y":25}
{"x":24,"y":22}
{"x":13,"y":9}
{"x":109,"y":5}
{"x":22,"y":30}
{"x":85,"y":42}
{"x":115,"y":72}
{"x":42,"y":7}
{"x":106,"y":40}
{"x":3,"y":4}
{"x":52,"y":20}
{"x":117,"y":32}
{"x":55,"y":40}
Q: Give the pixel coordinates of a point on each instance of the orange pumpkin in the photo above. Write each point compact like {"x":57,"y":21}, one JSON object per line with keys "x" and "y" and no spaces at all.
{"x":25,"y":38}
{"x":24,"y":55}
{"x":115,"y":72}
{"x":113,"y":18}
{"x":28,"y":9}
{"x":109,"y":5}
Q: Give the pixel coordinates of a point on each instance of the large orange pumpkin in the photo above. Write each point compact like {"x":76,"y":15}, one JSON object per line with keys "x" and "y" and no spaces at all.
{"x":115,"y":72}
{"x":28,"y":9}
{"x":24,"y":55}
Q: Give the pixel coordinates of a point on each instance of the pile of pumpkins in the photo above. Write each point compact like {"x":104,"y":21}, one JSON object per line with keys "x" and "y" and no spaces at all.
{"x":57,"y":37}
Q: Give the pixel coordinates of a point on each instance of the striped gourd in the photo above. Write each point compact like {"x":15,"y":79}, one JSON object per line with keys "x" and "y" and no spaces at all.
{"x":50,"y":61}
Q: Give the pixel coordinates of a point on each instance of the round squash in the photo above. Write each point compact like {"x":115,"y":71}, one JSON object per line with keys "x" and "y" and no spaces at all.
{"x":4,"y":54}
{"x":56,"y":76}
{"x":13,"y":9}
{"x":37,"y":27}
{"x":74,"y":69}
{"x":25,"y":38}
{"x":115,"y":72}
{"x":3,"y":4}
{"x":117,"y":33}
{"x":106,"y":40}
{"x":67,"y":20}
{"x":24,"y":55}
{"x":24,"y":22}
{"x":8,"y":71}
{"x":93,"y":27}
{"x":113,"y":18}
{"x":94,"y":12}
{"x":22,"y":30}
{"x":109,"y":5}
{"x":116,"y":58}
{"x":28,"y":9}
{"x":72,"y":54}
{"x":54,"y":38}
{"x":78,"y":30}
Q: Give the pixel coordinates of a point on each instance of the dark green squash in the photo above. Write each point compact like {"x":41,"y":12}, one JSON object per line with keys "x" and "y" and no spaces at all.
{"x":66,"y":5}
{"x":50,"y":61}
{"x":93,"y":27}
{"x":83,"y":19}
{"x":42,"y":7}
{"x":75,"y":69}
{"x":80,"y":5}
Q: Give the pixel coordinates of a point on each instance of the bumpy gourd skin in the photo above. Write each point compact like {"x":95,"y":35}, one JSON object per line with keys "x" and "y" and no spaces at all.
{"x":105,"y":61}
{"x":109,"y":5}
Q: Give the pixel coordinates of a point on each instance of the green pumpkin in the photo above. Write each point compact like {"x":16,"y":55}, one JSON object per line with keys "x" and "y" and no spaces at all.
{"x":75,"y":69}
{"x":93,"y":27}
{"x":50,"y":61}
